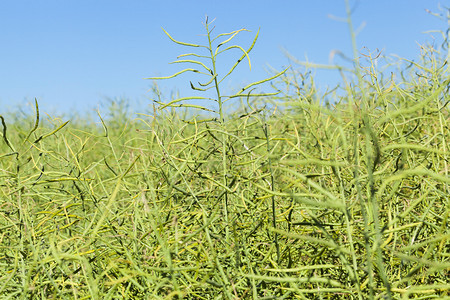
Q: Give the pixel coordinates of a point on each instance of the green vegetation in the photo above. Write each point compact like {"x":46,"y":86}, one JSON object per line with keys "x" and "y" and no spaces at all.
{"x":286,"y":198}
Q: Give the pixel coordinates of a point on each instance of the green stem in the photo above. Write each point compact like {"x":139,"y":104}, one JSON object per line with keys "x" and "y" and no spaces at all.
{"x":224,"y":136}
{"x":274,"y":215}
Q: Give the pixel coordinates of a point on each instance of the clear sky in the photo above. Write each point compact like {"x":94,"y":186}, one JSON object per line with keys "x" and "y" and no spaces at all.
{"x":73,"y":54}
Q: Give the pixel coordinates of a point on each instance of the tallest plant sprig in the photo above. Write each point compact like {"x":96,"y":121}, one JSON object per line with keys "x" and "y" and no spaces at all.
{"x":213,"y":80}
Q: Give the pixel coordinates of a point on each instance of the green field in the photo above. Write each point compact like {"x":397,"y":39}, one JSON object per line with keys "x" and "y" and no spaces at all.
{"x":283,"y":197}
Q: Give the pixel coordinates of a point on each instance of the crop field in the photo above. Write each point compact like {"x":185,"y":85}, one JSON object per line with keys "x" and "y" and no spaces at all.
{"x":284,"y":197}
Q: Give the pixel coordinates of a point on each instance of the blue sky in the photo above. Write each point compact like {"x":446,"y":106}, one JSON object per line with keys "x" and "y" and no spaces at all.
{"x":72,"y":55}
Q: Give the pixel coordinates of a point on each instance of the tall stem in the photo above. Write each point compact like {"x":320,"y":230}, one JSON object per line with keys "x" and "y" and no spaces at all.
{"x":224,"y":136}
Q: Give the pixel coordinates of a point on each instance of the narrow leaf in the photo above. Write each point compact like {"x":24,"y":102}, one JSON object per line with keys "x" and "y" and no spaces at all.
{"x":233,"y":34}
{"x":192,"y":106}
{"x":192,"y":62}
{"x":181,"y":43}
{"x":183,"y":99}
{"x":192,"y":54}
{"x":4,"y":135}
{"x":36,"y":123}
{"x":262,"y":81}
{"x":176,"y":74}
